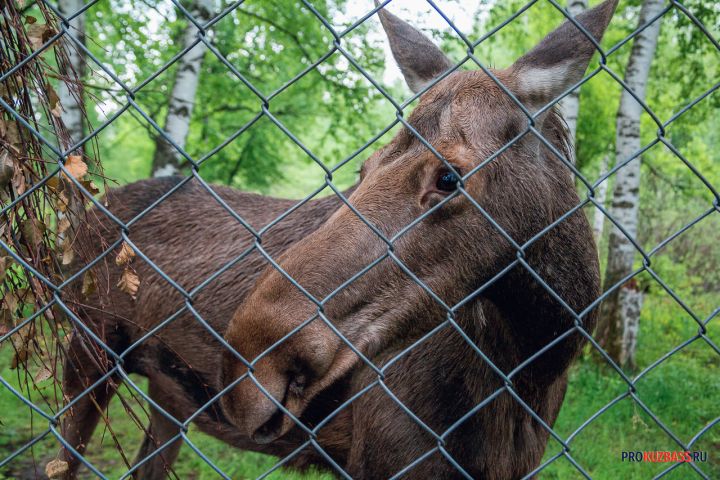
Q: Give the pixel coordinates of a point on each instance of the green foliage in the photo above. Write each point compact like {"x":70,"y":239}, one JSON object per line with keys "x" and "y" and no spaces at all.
{"x":332,"y":109}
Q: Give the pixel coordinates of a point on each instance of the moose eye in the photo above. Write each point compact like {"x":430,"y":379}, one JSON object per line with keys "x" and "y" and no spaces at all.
{"x":447,"y":181}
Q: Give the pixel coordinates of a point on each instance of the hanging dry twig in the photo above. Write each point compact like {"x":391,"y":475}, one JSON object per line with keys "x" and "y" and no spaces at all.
{"x":40,"y":208}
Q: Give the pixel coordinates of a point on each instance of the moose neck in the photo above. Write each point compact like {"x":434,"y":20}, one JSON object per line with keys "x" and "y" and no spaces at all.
{"x":565,"y":263}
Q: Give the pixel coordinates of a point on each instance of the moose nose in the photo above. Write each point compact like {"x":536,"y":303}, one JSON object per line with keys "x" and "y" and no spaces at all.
{"x":275,"y":373}
{"x":252,"y":405}
{"x":270,"y":430}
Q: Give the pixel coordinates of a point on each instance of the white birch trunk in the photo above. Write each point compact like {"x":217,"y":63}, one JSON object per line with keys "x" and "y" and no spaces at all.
{"x":625,"y":202}
{"x":70,"y":94}
{"x":630,"y":299}
{"x":570,"y":105}
{"x":71,"y":91}
{"x":166,"y":160}
{"x":600,"y":197}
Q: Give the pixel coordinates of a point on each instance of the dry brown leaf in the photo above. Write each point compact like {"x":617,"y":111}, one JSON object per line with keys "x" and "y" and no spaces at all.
{"x":126,"y":255}
{"x":20,"y":357}
{"x":129,"y":282}
{"x":62,"y":202}
{"x":53,"y":183}
{"x":38,"y":34}
{"x":12,"y":133}
{"x":18,"y":181}
{"x":44,"y":374}
{"x":68,"y":254}
{"x":53,"y":101}
{"x":5,"y":263}
{"x":63,"y":225}
{"x":33,"y":231}
{"x":27,"y":294}
{"x":90,"y":187}
{"x":75,"y":166}
{"x":10,"y":300}
{"x":7,"y":168}
{"x":88,"y":284}
{"x":35,"y":33}
{"x":56,"y":468}
{"x":30,"y":20}
{"x":6,"y":323}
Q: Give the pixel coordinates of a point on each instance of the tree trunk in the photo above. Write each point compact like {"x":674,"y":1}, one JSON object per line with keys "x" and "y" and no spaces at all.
{"x":570,"y":105}
{"x":624,"y":208}
{"x":600,"y":196}
{"x":630,"y":299}
{"x":71,"y":89}
{"x":166,"y":160}
{"x":70,"y":94}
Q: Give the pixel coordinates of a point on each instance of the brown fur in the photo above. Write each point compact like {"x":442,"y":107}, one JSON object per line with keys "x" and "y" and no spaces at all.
{"x":454,"y":251}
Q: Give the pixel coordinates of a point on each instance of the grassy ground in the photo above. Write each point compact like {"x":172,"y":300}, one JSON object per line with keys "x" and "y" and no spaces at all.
{"x":682,"y":392}
{"x":17,"y":428}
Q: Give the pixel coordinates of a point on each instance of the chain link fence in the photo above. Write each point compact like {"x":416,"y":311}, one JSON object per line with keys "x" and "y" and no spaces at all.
{"x":307,"y":435}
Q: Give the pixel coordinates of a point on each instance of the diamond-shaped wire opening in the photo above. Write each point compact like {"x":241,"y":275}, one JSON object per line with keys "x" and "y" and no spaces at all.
{"x":292,"y":49}
{"x":22,"y":458}
{"x":693,"y":354}
{"x":153,"y":24}
{"x":320,"y":128}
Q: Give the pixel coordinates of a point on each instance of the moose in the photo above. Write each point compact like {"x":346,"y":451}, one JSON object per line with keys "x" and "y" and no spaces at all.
{"x":321,"y":334}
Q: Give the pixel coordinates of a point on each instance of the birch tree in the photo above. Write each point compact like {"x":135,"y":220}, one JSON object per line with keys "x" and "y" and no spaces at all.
{"x":71,"y":97}
{"x":570,"y":105}
{"x":166,"y":160}
{"x":630,"y":301}
{"x":600,"y":197}
{"x":615,"y":318}
{"x":70,"y":91}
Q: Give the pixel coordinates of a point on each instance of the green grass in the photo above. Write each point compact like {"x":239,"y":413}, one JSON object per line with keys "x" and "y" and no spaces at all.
{"x":682,"y":392}
{"x":17,"y":427}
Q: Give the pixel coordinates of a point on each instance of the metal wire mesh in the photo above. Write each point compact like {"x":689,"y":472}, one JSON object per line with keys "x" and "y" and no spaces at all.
{"x":265,"y":110}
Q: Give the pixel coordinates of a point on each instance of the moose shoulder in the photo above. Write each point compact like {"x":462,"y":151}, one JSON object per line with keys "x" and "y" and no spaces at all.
{"x":463,"y":398}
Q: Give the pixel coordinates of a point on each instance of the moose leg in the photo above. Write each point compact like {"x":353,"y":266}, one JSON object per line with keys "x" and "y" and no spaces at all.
{"x":81,"y":371}
{"x":159,"y":433}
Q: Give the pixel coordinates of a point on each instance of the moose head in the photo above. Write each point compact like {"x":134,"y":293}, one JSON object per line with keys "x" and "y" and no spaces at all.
{"x":426,"y":231}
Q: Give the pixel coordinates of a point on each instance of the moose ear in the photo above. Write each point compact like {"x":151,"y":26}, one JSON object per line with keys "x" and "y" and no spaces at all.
{"x":559,"y":61}
{"x":420,"y":61}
